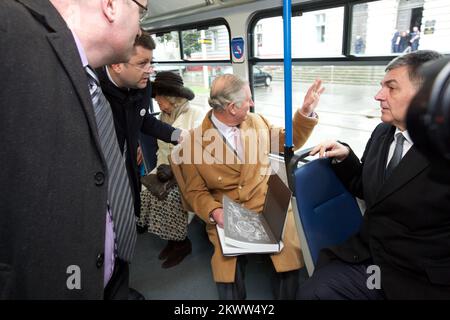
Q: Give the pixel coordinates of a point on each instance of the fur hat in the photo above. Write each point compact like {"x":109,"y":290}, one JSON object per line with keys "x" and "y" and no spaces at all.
{"x":170,"y":84}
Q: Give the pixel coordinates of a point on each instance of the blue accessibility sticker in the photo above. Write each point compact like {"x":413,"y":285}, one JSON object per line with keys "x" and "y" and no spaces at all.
{"x":237,"y":48}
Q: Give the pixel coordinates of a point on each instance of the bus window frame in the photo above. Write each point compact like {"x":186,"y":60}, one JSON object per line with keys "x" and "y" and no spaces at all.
{"x":189,"y":26}
{"x":297,"y":10}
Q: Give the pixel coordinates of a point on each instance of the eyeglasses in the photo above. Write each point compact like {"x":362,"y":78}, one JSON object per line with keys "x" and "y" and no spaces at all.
{"x":142,"y":10}
{"x":143,"y":66}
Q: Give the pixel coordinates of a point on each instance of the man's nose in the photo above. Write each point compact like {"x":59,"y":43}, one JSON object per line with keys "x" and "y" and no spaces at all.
{"x":380,"y":95}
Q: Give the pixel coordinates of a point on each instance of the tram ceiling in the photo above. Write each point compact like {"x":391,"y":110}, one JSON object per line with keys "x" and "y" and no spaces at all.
{"x":176,"y":8}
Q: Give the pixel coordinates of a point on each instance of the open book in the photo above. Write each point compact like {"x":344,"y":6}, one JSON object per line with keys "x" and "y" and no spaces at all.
{"x":250,"y":232}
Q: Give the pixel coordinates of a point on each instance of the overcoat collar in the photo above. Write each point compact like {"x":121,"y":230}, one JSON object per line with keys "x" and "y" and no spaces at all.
{"x":412,"y":164}
{"x":61,"y":39}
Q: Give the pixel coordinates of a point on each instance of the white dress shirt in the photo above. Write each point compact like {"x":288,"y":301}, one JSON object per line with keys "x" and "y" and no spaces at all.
{"x":229,"y":133}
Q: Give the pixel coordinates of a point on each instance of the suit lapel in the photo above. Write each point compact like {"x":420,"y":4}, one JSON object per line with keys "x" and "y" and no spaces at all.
{"x":386,"y":141}
{"x":46,"y":13}
{"x":412,"y":164}
{"x":374,"y":165}
{"x":68,"y":55}
{"x":62,"y":41}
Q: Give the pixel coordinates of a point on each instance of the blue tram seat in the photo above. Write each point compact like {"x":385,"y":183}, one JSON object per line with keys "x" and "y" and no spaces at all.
{"x":327,"y":213}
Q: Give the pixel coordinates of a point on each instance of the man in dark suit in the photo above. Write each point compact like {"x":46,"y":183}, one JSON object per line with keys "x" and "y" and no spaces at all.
{"x":128,"y":90}
{"x":402,"y":250}
{"x":55,"y":175}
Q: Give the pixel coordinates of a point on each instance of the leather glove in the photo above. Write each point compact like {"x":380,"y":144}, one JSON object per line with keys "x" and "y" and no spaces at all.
{"x":164,"y":173}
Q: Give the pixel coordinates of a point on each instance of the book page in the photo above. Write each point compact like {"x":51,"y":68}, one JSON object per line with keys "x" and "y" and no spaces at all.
{"x":244,"y":226}
{"x":229,"y":250}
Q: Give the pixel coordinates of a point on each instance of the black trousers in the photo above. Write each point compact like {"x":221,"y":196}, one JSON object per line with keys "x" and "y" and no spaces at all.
{"x":117,"y":287}
{"x":284,"y":284}
{"x":339,"y":281}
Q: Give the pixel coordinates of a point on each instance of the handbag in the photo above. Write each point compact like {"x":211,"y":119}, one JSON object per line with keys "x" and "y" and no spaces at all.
{"x":161,"y":183}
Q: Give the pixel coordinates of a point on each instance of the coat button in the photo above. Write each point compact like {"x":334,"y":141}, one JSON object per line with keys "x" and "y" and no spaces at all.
{"x":219,"y":178}
{"x":240,"y":187}
{"x":355,"y":258}
{"x":100,"y":260}
{"x":99,"y":178}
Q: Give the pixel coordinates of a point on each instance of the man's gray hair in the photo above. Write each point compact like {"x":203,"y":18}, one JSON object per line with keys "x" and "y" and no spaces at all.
{"x":227,"y":89}
{"x":413,"y":61}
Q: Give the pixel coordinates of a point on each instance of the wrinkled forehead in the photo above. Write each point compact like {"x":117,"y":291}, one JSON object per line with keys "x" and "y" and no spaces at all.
{"x":398,"y":75}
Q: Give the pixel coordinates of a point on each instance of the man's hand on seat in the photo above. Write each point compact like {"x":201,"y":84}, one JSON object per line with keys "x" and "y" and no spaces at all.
{"x":331,"y":149}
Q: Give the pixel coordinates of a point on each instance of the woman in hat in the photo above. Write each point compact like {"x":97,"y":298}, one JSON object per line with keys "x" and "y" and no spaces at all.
{"x":161,"y":209}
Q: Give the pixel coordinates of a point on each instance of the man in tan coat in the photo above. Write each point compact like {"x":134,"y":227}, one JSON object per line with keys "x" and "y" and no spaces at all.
{"x":228,"y":155}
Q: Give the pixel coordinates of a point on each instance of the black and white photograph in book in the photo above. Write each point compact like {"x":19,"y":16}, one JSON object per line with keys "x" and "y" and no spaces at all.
{"x":250,"y":232}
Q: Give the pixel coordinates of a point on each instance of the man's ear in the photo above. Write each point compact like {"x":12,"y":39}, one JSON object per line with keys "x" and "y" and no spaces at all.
{"x":117,"y":67}
{"x":232,"y":108}
{"x":110,"y":9}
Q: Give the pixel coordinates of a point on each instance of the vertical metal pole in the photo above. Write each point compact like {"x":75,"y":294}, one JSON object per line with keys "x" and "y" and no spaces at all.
{"x":287,"y":71}
{"x":288,"y":149}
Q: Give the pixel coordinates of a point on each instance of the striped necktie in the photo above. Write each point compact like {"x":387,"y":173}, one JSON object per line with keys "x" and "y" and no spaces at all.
{"x":119,"y":192}
{"x":397,"y":156}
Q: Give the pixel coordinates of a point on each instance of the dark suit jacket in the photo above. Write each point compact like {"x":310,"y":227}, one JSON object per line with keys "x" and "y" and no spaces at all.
{"x":406,"y":227}
{"x":127,"y":106}
{"x":53,"y":175}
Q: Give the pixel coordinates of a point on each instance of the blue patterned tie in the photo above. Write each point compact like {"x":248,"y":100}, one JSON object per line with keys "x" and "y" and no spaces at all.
{"x":119,"y":191}
{"x":397,"y":156}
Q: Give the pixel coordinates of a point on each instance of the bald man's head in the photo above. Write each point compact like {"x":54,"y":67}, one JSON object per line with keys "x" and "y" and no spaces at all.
{"x":227,"y":89}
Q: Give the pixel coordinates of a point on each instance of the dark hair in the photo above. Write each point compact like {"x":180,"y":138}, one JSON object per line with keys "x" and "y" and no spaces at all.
{"x":145,"y":40}
{"x":413,"y":61}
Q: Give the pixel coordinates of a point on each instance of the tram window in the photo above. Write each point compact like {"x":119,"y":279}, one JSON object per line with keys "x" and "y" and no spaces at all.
{"x":389,"y":27}
{"x":347,"y":109}
{"x":314,"y":34}
{"x":205,"y":55}
{"x":208,"y":44}
{"x":167,"y":47}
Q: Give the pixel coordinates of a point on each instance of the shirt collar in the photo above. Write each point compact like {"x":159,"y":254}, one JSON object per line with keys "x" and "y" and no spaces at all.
{"x":405,"y":134}
{"x":222,"y":127}
{"x":110,"y":78}
{"x":81,"y":51}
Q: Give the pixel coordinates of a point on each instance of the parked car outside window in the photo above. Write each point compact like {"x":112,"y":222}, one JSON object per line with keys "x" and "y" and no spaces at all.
{"x":261,"y":78}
